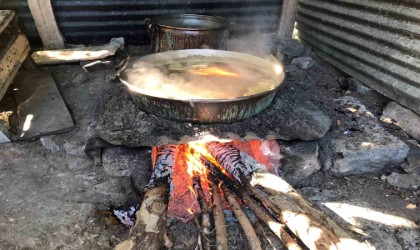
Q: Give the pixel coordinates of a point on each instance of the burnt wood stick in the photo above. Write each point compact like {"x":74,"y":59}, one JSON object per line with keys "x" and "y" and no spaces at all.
{"x":307,"y":221}
{"x":149,"y":229}
{"x":250,"y":234}
{"x":278,"y":229}
{"x":205,"y":212}
{"x":162,"y":169}
{"x":218,"y":215}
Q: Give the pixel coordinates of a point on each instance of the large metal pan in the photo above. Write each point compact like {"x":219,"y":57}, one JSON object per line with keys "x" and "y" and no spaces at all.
{"x":207,"y":110}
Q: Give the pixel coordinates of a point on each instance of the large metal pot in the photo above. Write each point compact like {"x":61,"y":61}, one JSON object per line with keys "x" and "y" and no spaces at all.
{"x":206,"y":110}
{"x":187,"y":31}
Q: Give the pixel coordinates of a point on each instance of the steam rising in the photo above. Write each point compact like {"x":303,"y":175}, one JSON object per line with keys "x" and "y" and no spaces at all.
{"x":186,"y":79}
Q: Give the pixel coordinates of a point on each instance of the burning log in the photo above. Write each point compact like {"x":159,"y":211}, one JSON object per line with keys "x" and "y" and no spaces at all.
{"x":205,"y":212}
{"x":313,"y":227}
{"x":250,"y":234}
{"x":163,"y":161}
{"x":278,"y":229}
{"x":149,"y":229}
{"x":219,"y":217}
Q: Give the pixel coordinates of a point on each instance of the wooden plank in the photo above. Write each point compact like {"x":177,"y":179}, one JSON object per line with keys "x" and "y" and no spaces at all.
{"x":6,"y":16}
{"x":46,"y":24}
{"x":12,"y":62}
{"x":287,"y":18}
{"x":41,"y":109}
{"x":74,"y":55}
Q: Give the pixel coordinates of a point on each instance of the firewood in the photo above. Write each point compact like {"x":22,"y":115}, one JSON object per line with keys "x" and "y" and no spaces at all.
{"x":303,"y":218}
{"x":149,"y":229}
{"x":312,"y":226}
{"x":162,"y":165}
{"x":250,"y":234}
{"x":277,"y":228}
{"x":205,"y":212}
{"x":218,"y":215}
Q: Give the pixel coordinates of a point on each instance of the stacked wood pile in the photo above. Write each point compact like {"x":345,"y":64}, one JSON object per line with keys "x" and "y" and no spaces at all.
{"x":240,"y":179}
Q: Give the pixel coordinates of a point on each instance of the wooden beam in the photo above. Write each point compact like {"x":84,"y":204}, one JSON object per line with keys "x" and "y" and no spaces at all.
{"x":6,"y":16}
{"x":11,"y":61}
{"x":287,"y":18}
{"x":46,"y":24}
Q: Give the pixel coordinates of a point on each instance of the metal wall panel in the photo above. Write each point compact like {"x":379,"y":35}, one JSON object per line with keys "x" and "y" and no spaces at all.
{"x":377,"y":42}
{"x":98,"y":21}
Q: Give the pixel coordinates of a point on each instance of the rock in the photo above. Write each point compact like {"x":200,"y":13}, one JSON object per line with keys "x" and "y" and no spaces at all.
{"x":413,"y":157}
{"x":367,"y":148}
{"x":405,"y":118}
{"x":49,"y":143}
{"x":406,"y":181}
{"x":358,"y":87}
{"x":290,"y":47}
{"x":74,"y":149}
{"x":309,"y":121}
{"x":303,"y":62}
{"x":79,"y":162}
{"x":300,"y":160}
{"x":122,"y":161}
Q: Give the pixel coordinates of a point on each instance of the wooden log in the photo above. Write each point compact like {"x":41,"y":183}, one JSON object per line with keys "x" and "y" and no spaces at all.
{"x":304,"y":219}
{"x":277,"y":228}
{"x":47,"y":57}
{"x":149,"y":229}
{"x":205,"y":213}
{"x":250,"y":234}
{"x":218,"y":215}
{"x":287,"y":18}
{"x":46,"y":25}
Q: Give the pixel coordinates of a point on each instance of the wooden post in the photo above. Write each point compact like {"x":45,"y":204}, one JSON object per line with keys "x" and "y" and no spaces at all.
{"x":46,"y":25}
{"x":287,"y":18}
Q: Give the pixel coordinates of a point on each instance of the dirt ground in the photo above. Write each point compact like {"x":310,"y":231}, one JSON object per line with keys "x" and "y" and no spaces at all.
{"x":55,"y":197}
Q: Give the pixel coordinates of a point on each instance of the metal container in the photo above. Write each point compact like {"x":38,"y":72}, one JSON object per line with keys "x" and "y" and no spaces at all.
{"x":187,"y":31}
{"x":208,"y":110}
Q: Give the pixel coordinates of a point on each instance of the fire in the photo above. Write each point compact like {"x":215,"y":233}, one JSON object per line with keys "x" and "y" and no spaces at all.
{"x":214,"y":70}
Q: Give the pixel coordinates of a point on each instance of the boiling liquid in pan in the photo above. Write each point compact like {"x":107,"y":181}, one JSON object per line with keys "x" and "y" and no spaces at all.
{"x":185,"y":79}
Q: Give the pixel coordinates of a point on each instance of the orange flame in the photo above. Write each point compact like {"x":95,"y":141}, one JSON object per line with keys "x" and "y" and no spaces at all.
{"x":214,"y":70}
{"x":190,"y":210}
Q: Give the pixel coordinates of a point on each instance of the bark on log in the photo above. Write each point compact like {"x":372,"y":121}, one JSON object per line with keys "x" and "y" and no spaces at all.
{"x":149,"y":229}
{"x":305,"y":220}
{"x":219,"y":217}
{"x":250,"y":234}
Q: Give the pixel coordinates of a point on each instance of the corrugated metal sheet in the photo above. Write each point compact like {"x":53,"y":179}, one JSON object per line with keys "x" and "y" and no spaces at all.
{"x":377,"y":42}
{"x":98,"y":21}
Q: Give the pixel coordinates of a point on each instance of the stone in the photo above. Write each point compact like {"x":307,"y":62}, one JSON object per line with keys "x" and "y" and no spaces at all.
{"x":303,"y":62}
{"x":367,"y":147}
{"x":74,"y":149}
{"x":79,"y":162}
{"x":358,"y":87}
{"x":300,"y":160}
{"x":406,"y":181}
{"x":405,"y":118}
{"x":413,"y":157}
{"x":49,"y":143}
{"x":123,"y":161}
{"x":290,"y":47}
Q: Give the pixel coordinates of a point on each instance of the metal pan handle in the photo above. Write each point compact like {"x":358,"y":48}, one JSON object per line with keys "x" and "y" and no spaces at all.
{"x":152,"y":30}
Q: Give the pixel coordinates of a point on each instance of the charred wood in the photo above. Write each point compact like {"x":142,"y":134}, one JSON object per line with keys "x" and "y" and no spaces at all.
{"x":250,"y":234}
{"x":162,"y":165}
